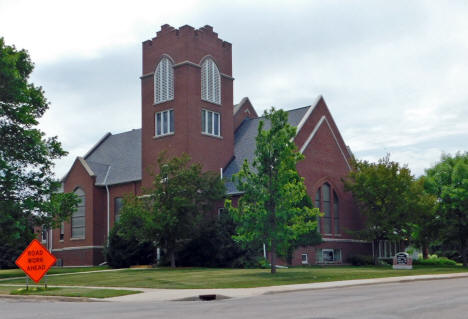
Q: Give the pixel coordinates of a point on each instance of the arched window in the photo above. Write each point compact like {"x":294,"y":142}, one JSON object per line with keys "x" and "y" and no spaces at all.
{"x":324,"y":197}
{"x":164,"y":81}
{"x":210,"y":82}
{"x":78,"y":217}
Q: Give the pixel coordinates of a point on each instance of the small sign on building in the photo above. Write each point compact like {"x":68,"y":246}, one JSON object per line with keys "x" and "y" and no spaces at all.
{"x":402,"y":261}
{"x":35,"y":260}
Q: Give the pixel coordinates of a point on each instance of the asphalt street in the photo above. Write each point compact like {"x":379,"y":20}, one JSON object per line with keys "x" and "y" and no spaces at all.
{"x":445,"y":299}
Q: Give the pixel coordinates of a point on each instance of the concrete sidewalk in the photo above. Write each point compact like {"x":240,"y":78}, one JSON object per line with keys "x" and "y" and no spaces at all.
{"x":151,"y":294}
{"x":187,"y":294}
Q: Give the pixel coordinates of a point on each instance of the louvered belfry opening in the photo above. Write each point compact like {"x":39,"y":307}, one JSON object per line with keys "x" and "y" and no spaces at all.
{"x":164,"y":81}
{"x":210,"y":82}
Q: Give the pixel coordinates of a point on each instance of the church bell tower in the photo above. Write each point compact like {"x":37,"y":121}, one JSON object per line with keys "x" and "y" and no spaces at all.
{"x":187,"y":98}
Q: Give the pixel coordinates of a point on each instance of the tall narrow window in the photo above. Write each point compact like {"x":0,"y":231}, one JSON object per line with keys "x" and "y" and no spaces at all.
{"x":336,"y":213}
{"x":78,"y":217}
{"x":44,"y":234}
{"x":164,"y":123}
{"x":211,"y":123}
{"x":164,"y":81}
{"x":317,"y":205}
{"x":324,"y":197}
{"x":210,"y":82}
{"x":62,"y":231}
{"x":118,"y":204}
{"x":326,"y":206}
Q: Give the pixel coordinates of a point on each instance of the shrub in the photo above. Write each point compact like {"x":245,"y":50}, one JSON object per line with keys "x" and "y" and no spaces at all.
{"x":213,"y":246}
{"x":122,"y":253}
{"x":437,"y":261}
{"x":361,"y":260}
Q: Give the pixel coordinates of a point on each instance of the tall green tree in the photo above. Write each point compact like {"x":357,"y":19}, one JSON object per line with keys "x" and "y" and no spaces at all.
{"x":425,"y":219}
{"x":171,"y":209}
{"x":448,"y":180}
{"x":382,"y":191}
{"x":27,"y":183}
{"x":270,"y":209}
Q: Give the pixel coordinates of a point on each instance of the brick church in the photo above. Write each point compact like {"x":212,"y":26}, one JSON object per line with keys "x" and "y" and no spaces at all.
{"x":187,"y":106}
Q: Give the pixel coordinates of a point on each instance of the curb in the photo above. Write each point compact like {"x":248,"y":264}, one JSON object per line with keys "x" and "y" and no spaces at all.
{"x":50,"y":298}
{"x":367,"y":282}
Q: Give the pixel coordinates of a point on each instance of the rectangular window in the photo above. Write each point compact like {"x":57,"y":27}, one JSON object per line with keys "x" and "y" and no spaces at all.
{"x":211,"y":123}
{"x":118,"y":204}
{"x":336,"y":214}
{"x":164,"y":123}
{"x":317,"y":205}
{"x":326,"y":209}
{"x":221,"y":211}
{"x":305,"y":260}
{"x":62,"y":231}
{"x":328,"y":255}
{"x":78,"y":219}
{"x":44,"y":234}
{"x":203,"y":122}
{"x":216,"y":123}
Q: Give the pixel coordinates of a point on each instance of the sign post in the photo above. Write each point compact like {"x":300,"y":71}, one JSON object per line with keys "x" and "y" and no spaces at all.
{"x":35,"y":261}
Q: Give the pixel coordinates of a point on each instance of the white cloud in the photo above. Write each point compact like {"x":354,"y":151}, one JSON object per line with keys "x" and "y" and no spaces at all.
{"x":394,"y":74}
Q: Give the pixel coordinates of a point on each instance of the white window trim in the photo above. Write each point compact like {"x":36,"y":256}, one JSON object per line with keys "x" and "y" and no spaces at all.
{"x":169,"y":132}
{"x":205,"y":132}
{"x":306,"y":261}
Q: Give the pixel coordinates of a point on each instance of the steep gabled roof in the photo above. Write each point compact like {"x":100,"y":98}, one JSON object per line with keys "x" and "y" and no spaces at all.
{"x":116,"y":159}
{"x":245,"y":143}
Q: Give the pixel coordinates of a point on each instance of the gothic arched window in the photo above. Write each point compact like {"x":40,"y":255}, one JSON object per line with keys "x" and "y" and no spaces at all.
{"x":79,"y":216}
{"x":164,"y":81}
{"x":210,"y":82}
{"x":324,"y":197}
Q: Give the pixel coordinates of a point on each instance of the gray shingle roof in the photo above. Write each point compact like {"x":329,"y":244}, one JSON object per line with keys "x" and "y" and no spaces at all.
{"x":245,"y":145}
{"x":117,"y":158}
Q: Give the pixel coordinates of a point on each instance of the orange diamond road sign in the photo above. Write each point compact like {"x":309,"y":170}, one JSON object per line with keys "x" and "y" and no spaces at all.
{"x":35,"y":260}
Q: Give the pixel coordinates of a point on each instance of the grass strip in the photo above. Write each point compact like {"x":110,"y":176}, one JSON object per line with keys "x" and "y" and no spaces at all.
{"x":10,"y":273}
{"x":185,"y":278}
{"x":66,"y":292}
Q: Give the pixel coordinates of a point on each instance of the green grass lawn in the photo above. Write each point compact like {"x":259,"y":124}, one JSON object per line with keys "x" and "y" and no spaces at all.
{"x":184,"y":278}
{"x":9,"y":273}
{"x":67,"y":292}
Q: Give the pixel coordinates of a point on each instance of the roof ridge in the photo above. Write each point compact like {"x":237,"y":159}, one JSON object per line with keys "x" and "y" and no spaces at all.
{"x":260,"y":117}
{"x":97,"y":145}
{"x":133,"y":129}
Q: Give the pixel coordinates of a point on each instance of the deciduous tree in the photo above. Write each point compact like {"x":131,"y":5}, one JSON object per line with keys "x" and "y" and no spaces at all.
{"x":382,"y":191}
{"x":270,"y":209}
{"x":27,"y":182}
{"x":170,"y":210}
{"x":448,"y":180}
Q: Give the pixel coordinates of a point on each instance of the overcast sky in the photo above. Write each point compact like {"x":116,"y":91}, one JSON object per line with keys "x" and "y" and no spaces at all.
{"x":393,"y":73}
